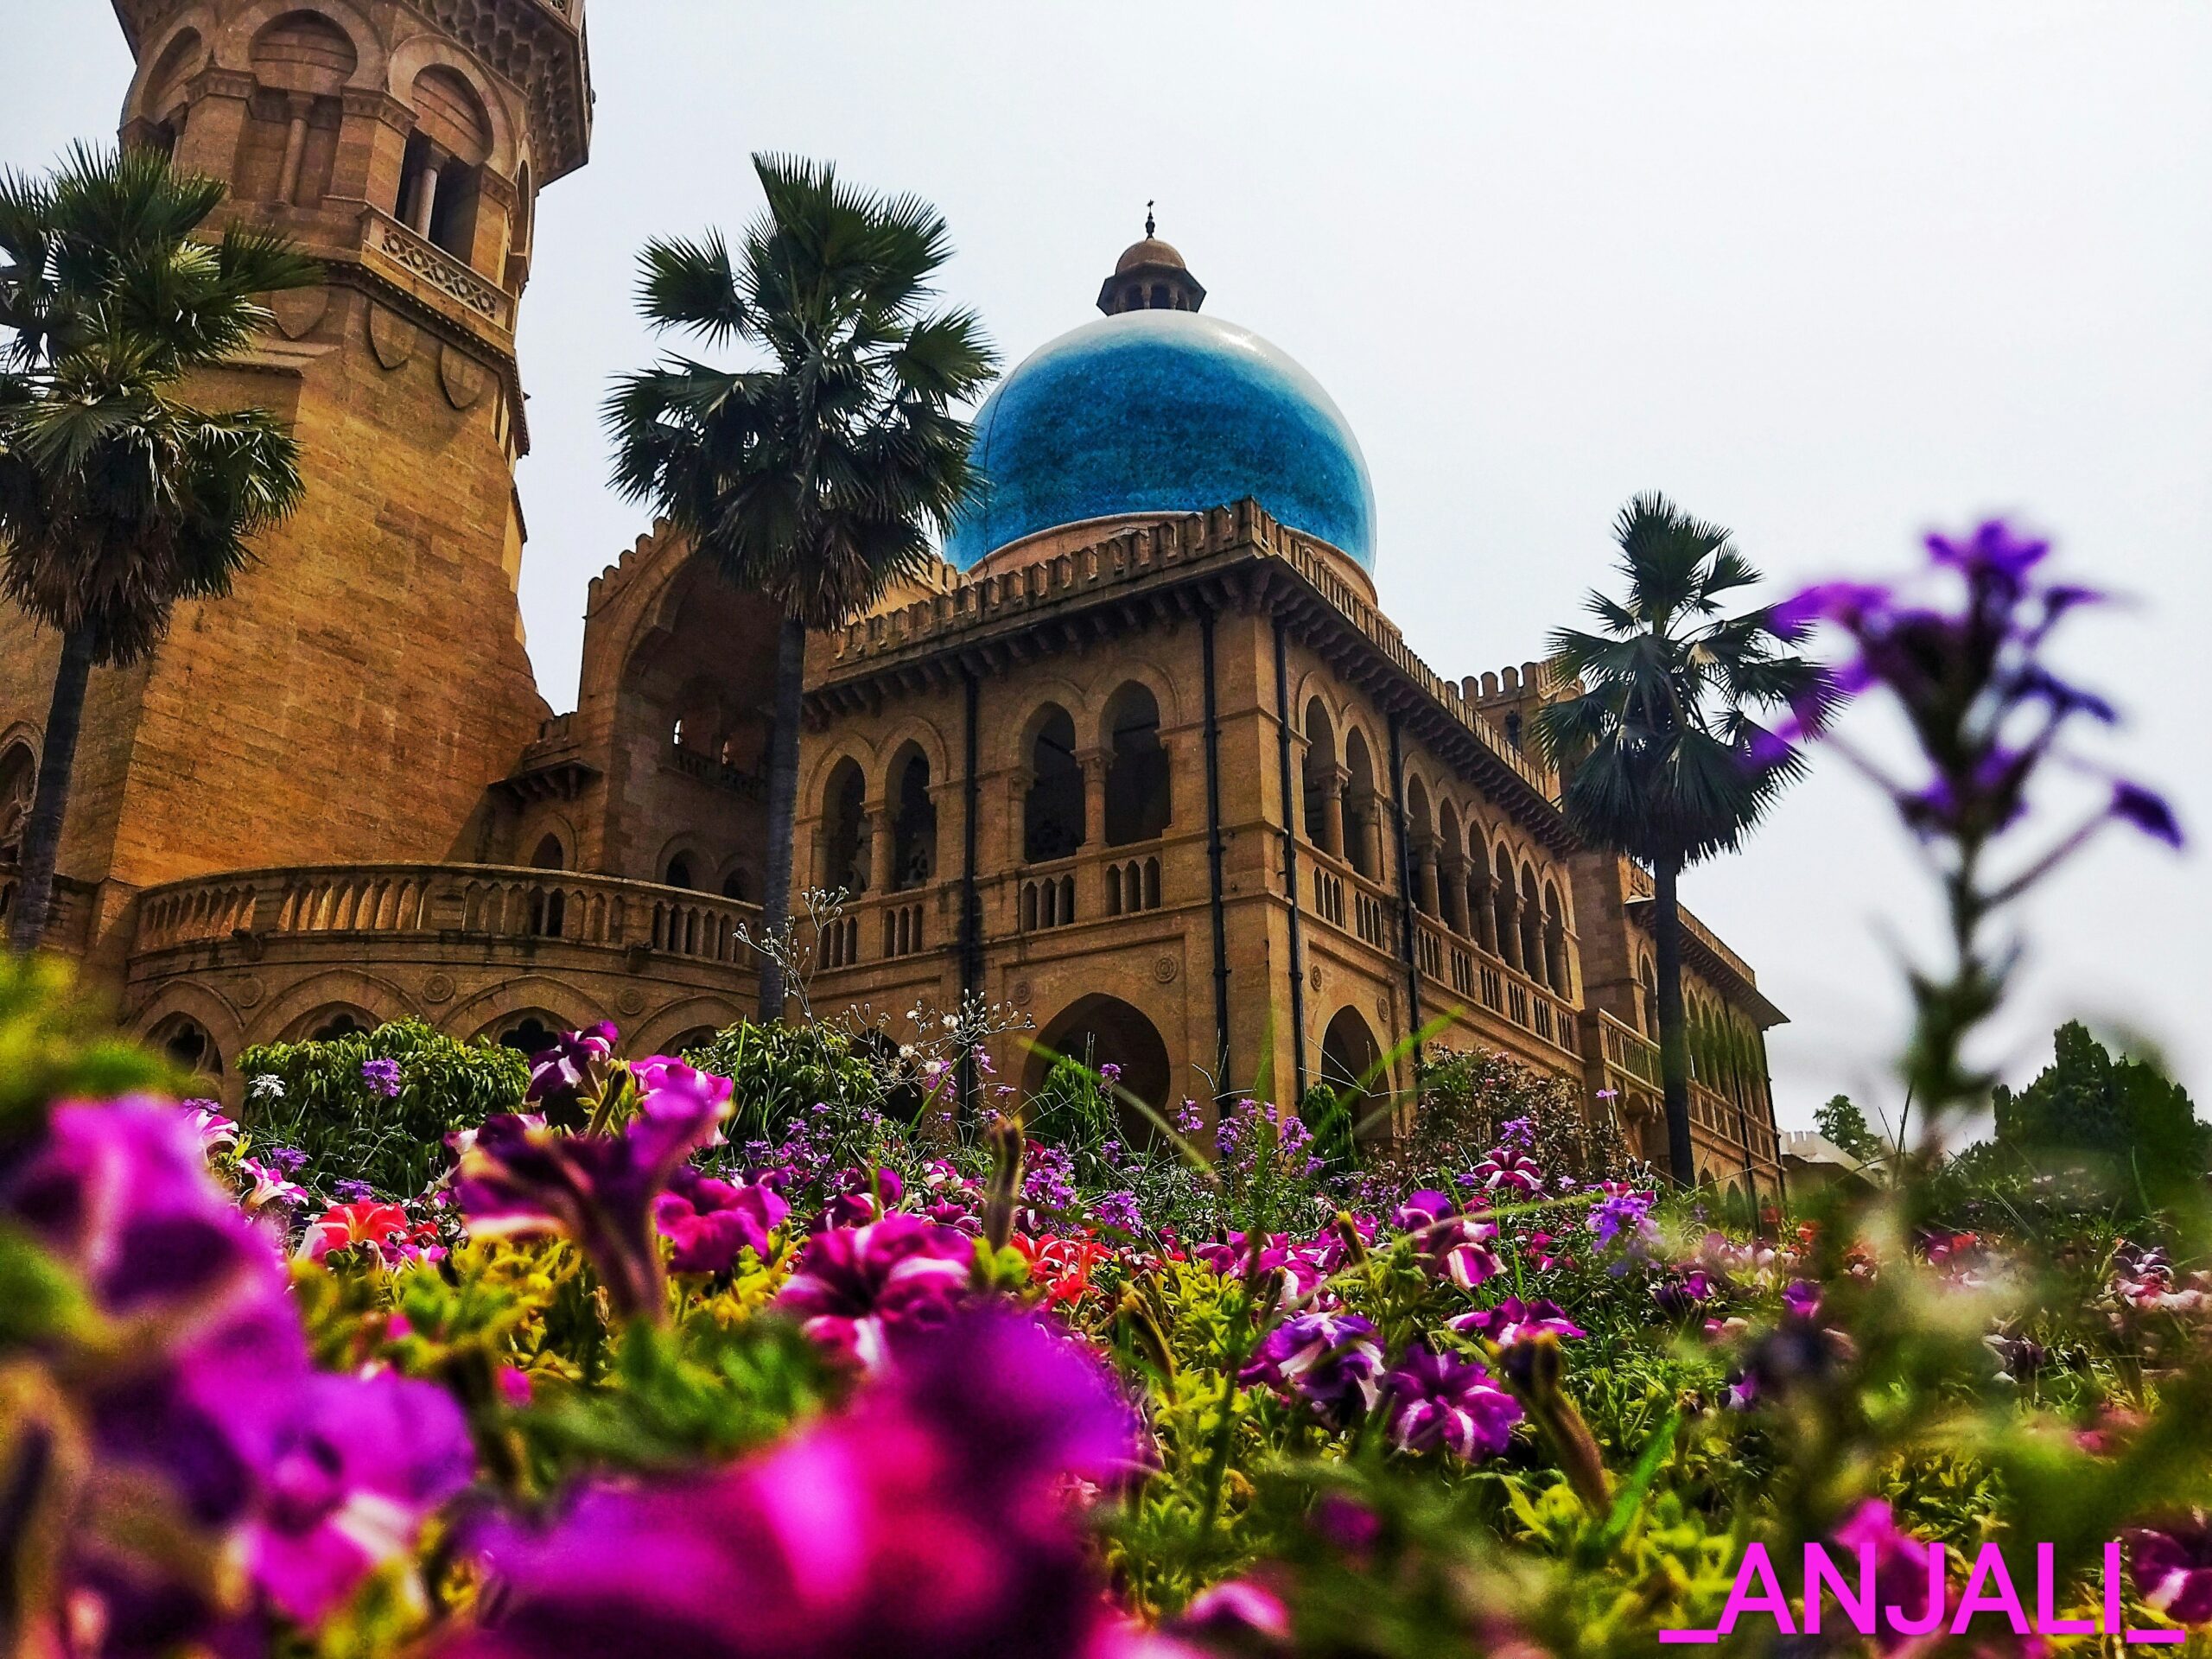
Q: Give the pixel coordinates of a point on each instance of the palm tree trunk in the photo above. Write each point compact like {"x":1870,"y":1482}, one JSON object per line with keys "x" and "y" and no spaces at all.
{"x":783,"y":806}
{"x":65,"y":719}
{"x":1674,"y":1029}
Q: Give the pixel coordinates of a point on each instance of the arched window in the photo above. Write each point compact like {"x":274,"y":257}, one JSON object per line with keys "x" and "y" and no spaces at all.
{"x":165,"y":106}
{"x":338,"y":1024}
{"x":913,"y":822}
{"x":844,"y":852}
{"x":1097,"y":1030}
{"x":289,"y":146}
{"x":549,"y":909}
{"x":550,"y":855}
{"x":1051,"y":811}
{"x":1361,"y":833}
{"x":186,"y":1043}
{"x":734,"y":886}
{"x":680,"y":873}
{"x":529,"y":1034}
{"x":18,"y":783}
{"x":1352,"y":1069}
{"x":1322,"y":825}
{"x":1513,"y":727}
{"x":1647,"y":977}
{"x":1137,"y":805}
{"x":443,"y":171}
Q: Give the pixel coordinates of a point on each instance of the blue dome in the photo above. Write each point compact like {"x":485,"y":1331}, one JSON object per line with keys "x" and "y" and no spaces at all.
{"x":1163,"y":411}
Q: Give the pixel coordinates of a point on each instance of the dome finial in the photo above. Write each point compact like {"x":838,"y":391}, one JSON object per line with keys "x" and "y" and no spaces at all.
{"x":1150,"y":275}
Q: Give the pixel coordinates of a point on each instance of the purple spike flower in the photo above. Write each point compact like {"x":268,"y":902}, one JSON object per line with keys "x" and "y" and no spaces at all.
{"x":382,"y":1075}
{"x":1445,"y":1400}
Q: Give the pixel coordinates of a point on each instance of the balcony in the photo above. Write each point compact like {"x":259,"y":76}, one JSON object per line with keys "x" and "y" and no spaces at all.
{"x":449,"y":904}
{"x":427,"y":270}
{"x":1480,"y":980}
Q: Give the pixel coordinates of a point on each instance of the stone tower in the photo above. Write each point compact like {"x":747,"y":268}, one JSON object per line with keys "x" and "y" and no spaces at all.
{"x":367,"y":680}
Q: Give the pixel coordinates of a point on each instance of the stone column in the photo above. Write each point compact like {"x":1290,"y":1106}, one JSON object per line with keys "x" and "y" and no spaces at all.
{"x":1420,"y":846}
{"x":297,"y":108}
{"x":1452,"y":878}
{"x":420,"y":210}
{"x":865,"y":875}
{"x":1019,"y":783}
{"x":1094,"y":763}
{"x":1332,"y":811}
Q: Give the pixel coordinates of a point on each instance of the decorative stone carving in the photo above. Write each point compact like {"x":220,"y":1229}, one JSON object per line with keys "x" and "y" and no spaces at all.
{"x":1165,"y":968}
{"x":299,"y":310}
{"x":440,"y":270}
{"x":391,"y":337}
{"x":630,"y":1002}
{"x":464,"y":378}
{"x":438,"y":987}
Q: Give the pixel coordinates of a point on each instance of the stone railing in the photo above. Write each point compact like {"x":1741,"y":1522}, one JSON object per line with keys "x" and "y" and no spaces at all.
{"x":1625,"y":1049}
{"x":710,"y":769}
{"x":424,"y":264}
{"x":1479,"y":979}
{"x":445,"y":901}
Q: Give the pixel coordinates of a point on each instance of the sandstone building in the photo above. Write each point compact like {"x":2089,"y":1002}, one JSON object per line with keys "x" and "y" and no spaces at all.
{"x":1145,"y":760}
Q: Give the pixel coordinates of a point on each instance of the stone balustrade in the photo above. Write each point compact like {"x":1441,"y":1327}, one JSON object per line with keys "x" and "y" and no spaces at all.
{"x":451,"y":901}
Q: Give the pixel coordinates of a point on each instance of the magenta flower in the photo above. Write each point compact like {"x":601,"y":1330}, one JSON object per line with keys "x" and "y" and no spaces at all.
{"x":860,"y":1291}
{"x":1332,"y":1362}
{"x":673,"y":1088}
{"x":351,"y":1467}
{"x":1507,"y":1170}
{"x":1514,"y":1320}
{"x":710,"y":1221}
{"x":1442,"y":1400}
{"x":514,"y":1180}
{"x":1455,"y":1247}
{"x":269,"y":1187}
{"x":1681,"y":1294}
{"x":1237,"y":1611}
{"x":926,"y":1523}
{"x":1909,"y":1574}
{"x":572,"y":1066}
{"x":217,"y":1132}
{"x":2171,"y":1564}
{"x":856,"y":1202}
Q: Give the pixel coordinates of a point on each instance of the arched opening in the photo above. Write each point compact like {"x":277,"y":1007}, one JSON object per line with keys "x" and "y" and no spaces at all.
{"x":1532,"y":927}
{"x":165,"y":105}
{"x":525,"y":224}
{"x":1362,"y":834}
{"x":1051,"y":810}
{"x":550,"y":855}
{"x":681,"y":873}
{"x":529,"y":1033}
{"x":1323,"y":827}
{"x":187,"y":1045}
{"x":1560,"y":975}
{"x":691,"y":1041}
{"x":440,"y":189}
{"x":1098,"y":1031}
{"x":735,"y":885}
{"x":1450,"y":881}
{"x":1352,"y":1070}
{"x":548,"y":907}
{"x":18,"y":783}
{"x":337,"y":1025}
{"x":302,"y":63}
{"x":844,"y":849}
{"x":1647,"y":976}
{"x":1421,"y":841}
{"x":913,"y":821}
{"x":1504,"y":911}
{"x":1137,"y":805}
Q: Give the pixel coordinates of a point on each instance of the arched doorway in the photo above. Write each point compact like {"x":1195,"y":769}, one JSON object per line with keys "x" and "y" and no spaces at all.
{"x":1098,"y":1031}
{"x":1352,"y":1069}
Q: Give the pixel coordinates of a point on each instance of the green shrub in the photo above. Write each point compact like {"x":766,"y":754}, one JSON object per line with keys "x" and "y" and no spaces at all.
{"x":779,"y":1072}
{"x":317,"y":1098}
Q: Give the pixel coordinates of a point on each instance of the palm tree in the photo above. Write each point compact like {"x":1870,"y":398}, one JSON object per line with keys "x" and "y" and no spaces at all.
{"x":119,"y":498}
{"x":816,"y":478}
{"x":1663,"y":758}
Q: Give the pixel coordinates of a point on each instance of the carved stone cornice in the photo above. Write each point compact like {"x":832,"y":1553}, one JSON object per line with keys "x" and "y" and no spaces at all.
{"x":222,"y":83}
{"x":538,"y":46}
{"x":379,"y":106}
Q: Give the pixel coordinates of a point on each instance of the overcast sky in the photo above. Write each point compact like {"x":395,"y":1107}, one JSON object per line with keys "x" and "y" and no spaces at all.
{"x":1831,"y":273}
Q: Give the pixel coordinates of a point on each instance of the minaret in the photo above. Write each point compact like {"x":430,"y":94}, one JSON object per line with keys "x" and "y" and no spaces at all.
{"x":366,"y":681}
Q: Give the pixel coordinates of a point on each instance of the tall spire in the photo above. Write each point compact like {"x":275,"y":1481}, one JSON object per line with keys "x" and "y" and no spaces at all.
{"x":1151,"y":276}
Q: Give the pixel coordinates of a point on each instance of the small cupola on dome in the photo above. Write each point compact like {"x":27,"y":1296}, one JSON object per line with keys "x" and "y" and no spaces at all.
{"x":1150,"y":276}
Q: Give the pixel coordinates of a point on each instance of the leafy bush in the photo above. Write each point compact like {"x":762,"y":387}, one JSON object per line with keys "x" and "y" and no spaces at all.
{"x":1465,"y":1100}
{"x":340,"y":1103}
{"x":2121,"y":1120}
{"x":780,"y":1072}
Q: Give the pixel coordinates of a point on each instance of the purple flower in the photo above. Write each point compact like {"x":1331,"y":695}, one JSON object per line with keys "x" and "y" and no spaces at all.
{"x":1681,"y":1294}
{"x":354,"y":1192}
{"x":573,"y":1064}
{"x":1238,"y":1609}
{"x":2133,"y":804}
{"x":351,"y":1468}
{"x":1514,"y":1320}
{"x":1118,"y":1211}
{"x":860,"y":1291}
{"x":1622,"y":1211}
{"x":1507,"y":1170}
{"x":1333,"y":1362}
{"x":269,"y":1187}
{"x":1903,"y":1566}
{"x":1445,"y":1400}
{"x":1455,"y":1247}
{"x":2171,"y":1564}
{"x":515,"y":1180}
{"x":671,"y":1087}
{"x":382,"y":1075}
{"x":927,"y":1521}
{"x":710,"y":1221}
{"x":1801,"y":1299}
